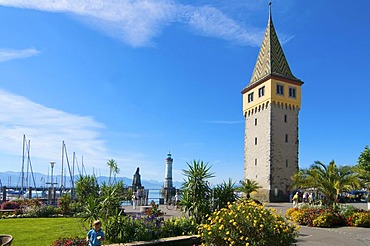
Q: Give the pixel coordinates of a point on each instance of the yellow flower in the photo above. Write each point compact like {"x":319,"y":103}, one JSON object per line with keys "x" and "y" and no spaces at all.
{"x":227,"y":233}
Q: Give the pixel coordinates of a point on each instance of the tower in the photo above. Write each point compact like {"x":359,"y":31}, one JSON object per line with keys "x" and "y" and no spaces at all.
{"x":168,"y":191}
{"x":168,"y":176}
{"x":271,"y":104}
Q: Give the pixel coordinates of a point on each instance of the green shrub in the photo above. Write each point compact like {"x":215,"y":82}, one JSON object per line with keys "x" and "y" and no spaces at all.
{"x":120,"y":229}
{"x":247,"y":223}
{"x":42,"y":212}
{"x":178,"y":227}
{"x":347,"y":211}
{"x":65,"y":203}
{"x":124,"y":229}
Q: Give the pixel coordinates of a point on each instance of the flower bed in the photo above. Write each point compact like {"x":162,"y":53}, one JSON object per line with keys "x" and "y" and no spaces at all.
{"x":320,"y":216}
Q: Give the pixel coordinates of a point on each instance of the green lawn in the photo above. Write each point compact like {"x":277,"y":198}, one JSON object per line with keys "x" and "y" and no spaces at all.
{"x":41,"y":231}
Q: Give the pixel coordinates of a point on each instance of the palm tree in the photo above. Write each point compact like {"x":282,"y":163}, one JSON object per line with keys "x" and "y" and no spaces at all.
{"x":329,"y":180}
{"x":113,"y":168}
{"x":224,"y":193}
{"x":248,"y":186}
{"x":196,"y":190}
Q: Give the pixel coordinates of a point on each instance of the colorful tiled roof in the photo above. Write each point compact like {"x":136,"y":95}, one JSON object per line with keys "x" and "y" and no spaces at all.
{"x":271,"y":59}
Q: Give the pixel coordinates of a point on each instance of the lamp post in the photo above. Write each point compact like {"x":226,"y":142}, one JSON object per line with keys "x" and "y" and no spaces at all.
{"x":52,"y":163}
{"x":51,"y":196}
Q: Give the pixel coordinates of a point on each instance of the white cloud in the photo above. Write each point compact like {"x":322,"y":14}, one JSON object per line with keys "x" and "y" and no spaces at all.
{"x":209,"y":21}
{"x":138,"y":22}
{"x":46,"y":128}
{"x":10,"y":54}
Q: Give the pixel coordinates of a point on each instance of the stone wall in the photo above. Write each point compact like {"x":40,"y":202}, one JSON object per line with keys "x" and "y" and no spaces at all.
{"x":271,"y":149}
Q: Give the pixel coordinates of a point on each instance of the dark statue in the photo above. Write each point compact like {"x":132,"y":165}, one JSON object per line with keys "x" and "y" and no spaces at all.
{"x":136,"y":182}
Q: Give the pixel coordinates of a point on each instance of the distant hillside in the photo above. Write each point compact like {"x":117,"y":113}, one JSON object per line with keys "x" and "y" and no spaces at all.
{"x":13,"y":179}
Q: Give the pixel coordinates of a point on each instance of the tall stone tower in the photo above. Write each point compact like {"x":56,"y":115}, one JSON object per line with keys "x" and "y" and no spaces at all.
{"x":271,"y":104}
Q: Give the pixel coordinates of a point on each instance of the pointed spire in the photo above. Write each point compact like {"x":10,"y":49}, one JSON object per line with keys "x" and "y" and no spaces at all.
{"x":271,"y":59}
{"x":270,"y":14}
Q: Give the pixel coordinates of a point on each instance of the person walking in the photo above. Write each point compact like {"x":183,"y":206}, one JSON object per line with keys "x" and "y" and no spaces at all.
{"x":295,"y":200}
{"x":134,"y":200}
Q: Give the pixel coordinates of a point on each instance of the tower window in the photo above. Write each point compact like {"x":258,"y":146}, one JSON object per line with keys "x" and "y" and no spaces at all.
{"x":286,"y":138}
{"x":255,"y":121}
{"x":255,"y":162}
{"x":292,"y":92}
{"x":261,"y":91}
{"x":250,"y":97}
{"x":285,"y":118}
{"x":255,"y":141}
{"x":286,"y":163}
{"x":280,"y":89}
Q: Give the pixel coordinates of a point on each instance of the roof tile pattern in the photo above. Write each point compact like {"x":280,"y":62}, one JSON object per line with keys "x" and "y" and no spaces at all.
{"x":271,"y":59}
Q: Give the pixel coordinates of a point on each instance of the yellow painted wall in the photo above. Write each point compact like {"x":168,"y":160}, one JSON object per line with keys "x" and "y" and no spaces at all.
{"x":271,"y":96}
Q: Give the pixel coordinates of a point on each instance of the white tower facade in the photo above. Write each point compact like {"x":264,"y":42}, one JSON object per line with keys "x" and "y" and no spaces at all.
{"x":168,"y":176}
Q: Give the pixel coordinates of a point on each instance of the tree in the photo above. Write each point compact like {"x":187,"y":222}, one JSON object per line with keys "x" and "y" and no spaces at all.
{"x":196,"y":190}
{"x":364,"y":159}
{"x":87,"y":186}
{"x":113,"y":168}
{"x":111,"y":197}
{"x":329,"y":180}
{"x":223,"y":194}
{"x":363,"y":167}
{"x":248,"y":186}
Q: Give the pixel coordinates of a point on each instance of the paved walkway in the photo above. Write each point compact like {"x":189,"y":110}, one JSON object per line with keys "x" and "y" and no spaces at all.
{"x":341,"y":236}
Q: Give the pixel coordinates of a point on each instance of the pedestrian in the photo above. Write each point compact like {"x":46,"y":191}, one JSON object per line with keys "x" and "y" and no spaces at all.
{"x":95,"y":235}
{"x":310,"y":198}
{"x":176,"y":199}
{"x":305,"y":196}
{"x":295,"y":200}
{"x":134,"y":200}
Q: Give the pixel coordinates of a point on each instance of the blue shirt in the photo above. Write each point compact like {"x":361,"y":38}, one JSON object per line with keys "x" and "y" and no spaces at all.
{"x":92,"y":234}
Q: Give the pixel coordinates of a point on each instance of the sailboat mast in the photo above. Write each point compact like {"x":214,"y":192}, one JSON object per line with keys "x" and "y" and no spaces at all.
{"x":63,"y":146}
{"x":22,"y":171}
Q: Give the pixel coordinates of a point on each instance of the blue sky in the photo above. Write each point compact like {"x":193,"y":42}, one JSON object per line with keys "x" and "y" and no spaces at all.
{"x":132,"y":80}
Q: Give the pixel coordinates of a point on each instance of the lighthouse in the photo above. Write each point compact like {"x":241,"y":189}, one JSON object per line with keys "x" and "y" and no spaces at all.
{"x":168,"y":191}
{"x":168,"y":176}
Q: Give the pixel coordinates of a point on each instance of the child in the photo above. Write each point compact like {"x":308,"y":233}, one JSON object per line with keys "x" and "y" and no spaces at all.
{"x":95,"y":235}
